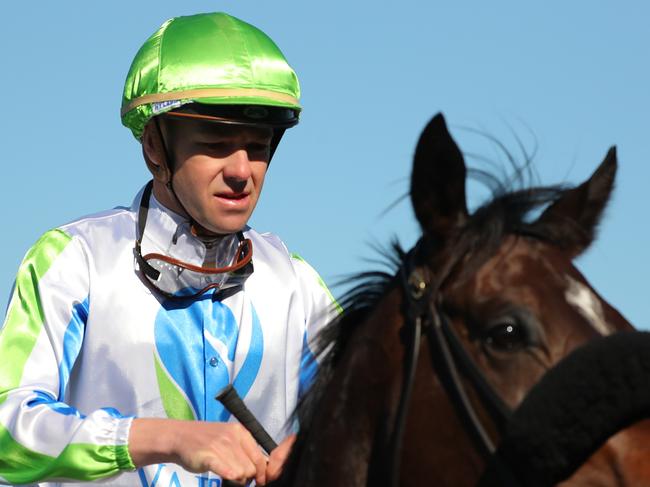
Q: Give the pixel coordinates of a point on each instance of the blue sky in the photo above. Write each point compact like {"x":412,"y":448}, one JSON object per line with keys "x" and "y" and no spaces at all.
{"x":571,"y":78}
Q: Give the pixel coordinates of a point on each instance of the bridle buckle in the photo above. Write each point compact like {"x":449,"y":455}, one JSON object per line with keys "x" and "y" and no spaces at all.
{"x":417,"y":284}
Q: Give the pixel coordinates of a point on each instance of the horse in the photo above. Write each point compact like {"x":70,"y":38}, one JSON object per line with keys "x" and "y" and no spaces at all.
{"x":419,"y":377}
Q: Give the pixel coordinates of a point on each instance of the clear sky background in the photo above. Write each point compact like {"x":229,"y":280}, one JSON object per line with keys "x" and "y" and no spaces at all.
{"x":568,"y":77}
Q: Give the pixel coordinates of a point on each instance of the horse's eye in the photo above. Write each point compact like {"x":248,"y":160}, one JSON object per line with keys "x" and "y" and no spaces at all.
{"x":508,"y":336}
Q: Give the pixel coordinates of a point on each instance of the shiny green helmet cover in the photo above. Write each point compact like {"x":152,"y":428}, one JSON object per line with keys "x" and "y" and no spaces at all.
{"x":210,"y":58}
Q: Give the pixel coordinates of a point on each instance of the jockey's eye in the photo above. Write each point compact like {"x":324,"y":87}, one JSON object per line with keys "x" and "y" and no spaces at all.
{"x":258,"y":148}
{"x":218,"y":147}
{"x":506,"y":335}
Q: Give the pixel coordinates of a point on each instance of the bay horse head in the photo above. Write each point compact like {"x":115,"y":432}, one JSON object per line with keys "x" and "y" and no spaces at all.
{"x":394,"y":405}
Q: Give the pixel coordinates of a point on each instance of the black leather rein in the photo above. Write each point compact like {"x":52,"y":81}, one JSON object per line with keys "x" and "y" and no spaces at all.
{"x":423,"y":314}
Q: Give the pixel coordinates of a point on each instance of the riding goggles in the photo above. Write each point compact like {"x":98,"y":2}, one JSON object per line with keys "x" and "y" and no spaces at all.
{"x":174,"y":278}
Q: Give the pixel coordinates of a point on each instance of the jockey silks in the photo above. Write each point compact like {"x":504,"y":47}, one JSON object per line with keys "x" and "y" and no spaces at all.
{"x":86,"y":346}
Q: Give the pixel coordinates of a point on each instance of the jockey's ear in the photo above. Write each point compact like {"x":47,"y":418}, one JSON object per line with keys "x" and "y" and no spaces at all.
{"x":438,"y":182}
{"x":572,"y":220}
{"x":154,"y":153}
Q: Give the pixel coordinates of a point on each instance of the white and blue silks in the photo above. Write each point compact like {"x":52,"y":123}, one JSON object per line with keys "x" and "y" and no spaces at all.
{"x":86,"y":346}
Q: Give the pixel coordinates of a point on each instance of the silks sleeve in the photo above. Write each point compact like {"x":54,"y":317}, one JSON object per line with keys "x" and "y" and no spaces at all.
{"x":320,"y":308}
{"x":41,"y":437}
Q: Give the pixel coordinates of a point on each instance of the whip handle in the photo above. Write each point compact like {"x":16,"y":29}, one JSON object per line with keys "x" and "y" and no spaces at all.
{"x":234,"y":404}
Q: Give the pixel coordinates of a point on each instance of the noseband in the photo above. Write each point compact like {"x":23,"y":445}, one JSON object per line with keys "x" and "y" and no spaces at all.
{"x":424,"y":314}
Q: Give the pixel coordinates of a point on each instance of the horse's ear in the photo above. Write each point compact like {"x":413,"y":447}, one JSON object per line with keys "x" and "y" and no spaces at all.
{"x":438,"y":181}
{"x":571,"y":221}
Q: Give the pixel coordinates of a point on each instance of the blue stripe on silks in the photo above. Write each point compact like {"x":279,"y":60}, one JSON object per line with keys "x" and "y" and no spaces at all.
{"x":72,"y":343}
{"x":248,"y":372}
{"x":308,"y":368}
{"x":224,"y":329}
{"x":50,"y":402}
{"x":185,"y":353}
{"x":178,"y":332}
{"x":114,"y":413}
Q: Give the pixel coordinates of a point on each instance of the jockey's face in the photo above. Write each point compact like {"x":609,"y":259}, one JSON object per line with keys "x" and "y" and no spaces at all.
{"x":219,"y":171}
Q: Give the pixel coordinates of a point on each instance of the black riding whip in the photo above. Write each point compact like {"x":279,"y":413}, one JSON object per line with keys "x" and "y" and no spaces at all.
{"x":230,"y":399}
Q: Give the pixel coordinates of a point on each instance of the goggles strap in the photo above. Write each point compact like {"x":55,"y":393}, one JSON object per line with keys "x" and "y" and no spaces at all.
{"x":142,"y":221}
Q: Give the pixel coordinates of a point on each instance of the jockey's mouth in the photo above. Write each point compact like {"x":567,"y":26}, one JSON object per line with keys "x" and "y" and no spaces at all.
{"x":233,"y":196}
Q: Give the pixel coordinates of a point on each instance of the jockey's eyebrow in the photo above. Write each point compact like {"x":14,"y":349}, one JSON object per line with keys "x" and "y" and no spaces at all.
{"x":212,"y":129}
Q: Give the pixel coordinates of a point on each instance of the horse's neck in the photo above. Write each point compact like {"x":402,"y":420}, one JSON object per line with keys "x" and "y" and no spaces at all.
{"x":358,"y":404}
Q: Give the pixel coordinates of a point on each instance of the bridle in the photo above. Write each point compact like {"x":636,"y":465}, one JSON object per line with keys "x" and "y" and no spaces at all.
{"x":424,"y":314}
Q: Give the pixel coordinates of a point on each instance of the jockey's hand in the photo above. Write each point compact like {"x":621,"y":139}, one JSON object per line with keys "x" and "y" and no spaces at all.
{"x":278,"y":457}
{"x":226,"y":449}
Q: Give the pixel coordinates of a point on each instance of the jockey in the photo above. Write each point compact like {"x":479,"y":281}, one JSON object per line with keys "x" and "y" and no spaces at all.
{"x":123,"y":325}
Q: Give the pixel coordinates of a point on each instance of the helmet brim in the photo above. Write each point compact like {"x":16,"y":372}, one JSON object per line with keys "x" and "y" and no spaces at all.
{"x":248,"y":115}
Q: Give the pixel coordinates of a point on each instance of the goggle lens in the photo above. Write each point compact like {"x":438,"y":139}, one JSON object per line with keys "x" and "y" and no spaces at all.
{"x":177,"y":279}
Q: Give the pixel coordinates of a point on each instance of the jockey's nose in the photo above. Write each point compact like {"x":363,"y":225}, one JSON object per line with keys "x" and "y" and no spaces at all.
{"x":238,"y":167}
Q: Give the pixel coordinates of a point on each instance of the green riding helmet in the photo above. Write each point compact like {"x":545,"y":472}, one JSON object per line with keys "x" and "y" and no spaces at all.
{"x":211,"y":66}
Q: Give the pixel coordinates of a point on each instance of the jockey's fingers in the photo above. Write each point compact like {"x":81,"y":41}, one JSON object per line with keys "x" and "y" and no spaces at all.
{"x":278,"y":458}
{"x":238,"y":452}
{"x":244,"y":465}
{"x":229,"y":460}
{"x":256,"y":456}
{"x":236,"y":468}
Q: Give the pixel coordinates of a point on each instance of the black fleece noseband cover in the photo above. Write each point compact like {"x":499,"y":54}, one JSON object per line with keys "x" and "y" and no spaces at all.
{"x":596,"y":391}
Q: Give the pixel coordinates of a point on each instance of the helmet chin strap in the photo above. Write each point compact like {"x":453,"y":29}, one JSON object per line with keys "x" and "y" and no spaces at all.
{"x":169,"y":159}
{"x":275,"y":141}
